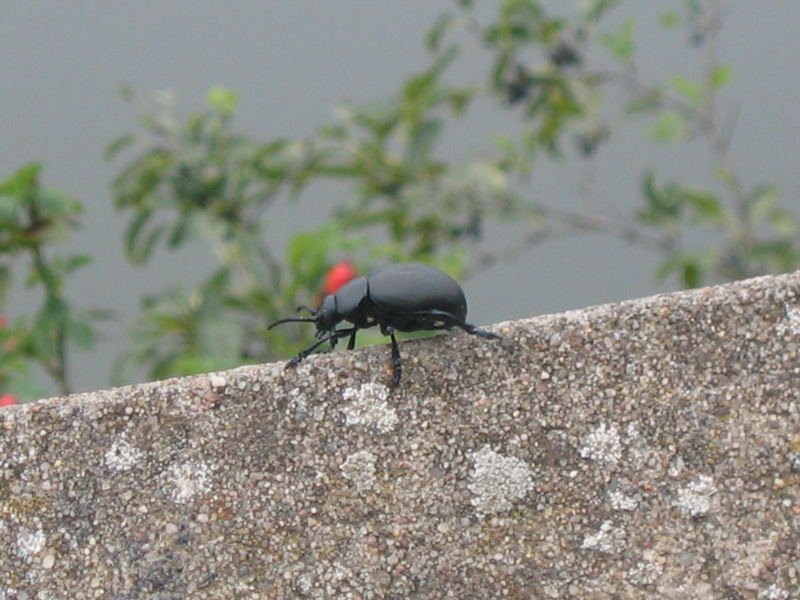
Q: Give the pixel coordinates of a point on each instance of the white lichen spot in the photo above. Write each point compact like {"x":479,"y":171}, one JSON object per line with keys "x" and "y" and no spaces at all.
{"x":620,"y":501}
{"x":607,"y":539}
{"x":774,"y":592}
{"x":30,"y":542}
{"x":189,"y":479}
{"x":648,"y":570}
{"x":297,"y":402}
{"x":792,"y":319}
{"x":329,"y":580}
{"x":603,"y":445}
{"x":360,"y":469}
{"x":498,"y":481}
{"x":369,"y":407}
{"x":676,"y":467}
{"x":695,"y":500}
{"x":122,"y":456}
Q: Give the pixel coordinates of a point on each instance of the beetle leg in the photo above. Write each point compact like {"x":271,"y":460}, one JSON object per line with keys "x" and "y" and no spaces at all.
{"x":332,"y":337}
{"x":454,"y":321}
{"x":351,"y":343}
{"x":396,"y":369}
{"x":306,"y":351}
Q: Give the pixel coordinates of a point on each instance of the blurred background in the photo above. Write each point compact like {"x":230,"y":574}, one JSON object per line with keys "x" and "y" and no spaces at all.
{"x":550,"y":155}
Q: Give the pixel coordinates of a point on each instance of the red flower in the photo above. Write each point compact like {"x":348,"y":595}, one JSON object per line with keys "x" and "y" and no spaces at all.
{"x":2,"y":321}
{"x":340,"y":273}
{"x":7,"y":400}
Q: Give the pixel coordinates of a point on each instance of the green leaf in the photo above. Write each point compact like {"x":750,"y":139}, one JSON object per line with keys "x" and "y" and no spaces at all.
{"x":126,"y":92}
{"x":594,"y":10}
{"x":180,"y":231}
{"x":781,"y":254}
{"x":690,"y":266}
{"x":647,"y":102}
{"x":23,"y":181}
{"x":76,"y":261}
{"x":670,"y":19}
{"x":687,"y":89}
{"x":55,"y":310}
{"x":437,"y":31}
{"x":669,"y":127}
{"x":80,"y":333}
{"x":118,"y":145}
{"x":139,"y":251}
{"x":5,"y":282}
{"x":764,"y":206}
{"x":621,"y":43}
{"x":763,"y":201}
{"x":419,"y":87}
{"x":422,"y":142}
{"x":783,"y":222}
{"x":488,"y":176}
{"x":720,"y":76}
{"x":223,"y":100}
{"x":662,"y":209}
{"x":706,"y":207}
{"x":691,"y":274}
{"x":134,"y":231}
{"x":308,"y":252}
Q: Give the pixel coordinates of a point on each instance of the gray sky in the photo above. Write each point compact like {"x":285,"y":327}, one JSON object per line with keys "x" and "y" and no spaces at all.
{"x":291,"y":62}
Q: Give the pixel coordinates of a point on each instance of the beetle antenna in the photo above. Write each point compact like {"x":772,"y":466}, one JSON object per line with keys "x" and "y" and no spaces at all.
{"x":308,"y":308}
{"x":292,"y":320}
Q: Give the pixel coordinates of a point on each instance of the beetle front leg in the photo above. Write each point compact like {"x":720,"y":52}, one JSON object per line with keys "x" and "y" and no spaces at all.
{"x":351,"y":343}
{"x":305,"y":352}
{"x":396,"y":368}
{"x":332,"y":337}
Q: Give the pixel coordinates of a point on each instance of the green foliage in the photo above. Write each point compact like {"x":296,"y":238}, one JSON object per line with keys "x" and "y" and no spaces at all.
{"x":620,"y":43}
{"x":33,"y":218}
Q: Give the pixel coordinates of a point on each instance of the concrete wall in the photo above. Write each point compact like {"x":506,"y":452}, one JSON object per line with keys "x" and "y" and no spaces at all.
{"x":643,"y":449}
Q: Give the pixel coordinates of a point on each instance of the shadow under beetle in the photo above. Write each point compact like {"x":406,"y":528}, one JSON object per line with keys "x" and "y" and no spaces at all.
{"x":403,"y":297}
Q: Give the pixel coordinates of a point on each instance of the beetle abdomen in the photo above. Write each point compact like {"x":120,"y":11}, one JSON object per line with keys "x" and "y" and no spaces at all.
{"x":407,"y":290}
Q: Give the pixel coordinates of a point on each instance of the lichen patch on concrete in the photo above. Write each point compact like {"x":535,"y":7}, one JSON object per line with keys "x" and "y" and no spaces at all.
{"x":603,"y":444}
{"x":359,"y":468}
{"x":188,"y":479}
{"x":609,"y":538}
{"x":121,"y":456}
{"x":368,"y":407}
{"x":498,"y":481}
{"x":696,"y":498}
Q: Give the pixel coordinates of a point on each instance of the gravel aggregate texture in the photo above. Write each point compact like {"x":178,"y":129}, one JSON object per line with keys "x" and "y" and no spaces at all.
{"x":645,"y":449}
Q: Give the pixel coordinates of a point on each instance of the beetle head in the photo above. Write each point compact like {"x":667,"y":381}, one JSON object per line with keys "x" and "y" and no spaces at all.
{"x":327,"y":316}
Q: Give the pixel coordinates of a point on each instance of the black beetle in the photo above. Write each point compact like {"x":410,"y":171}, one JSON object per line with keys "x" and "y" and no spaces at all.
{"x":403,"y":297}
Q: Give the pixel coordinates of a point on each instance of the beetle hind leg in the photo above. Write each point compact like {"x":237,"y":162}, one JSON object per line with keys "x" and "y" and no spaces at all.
{"x":481,"y":332}
{"x":453,"y":321}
